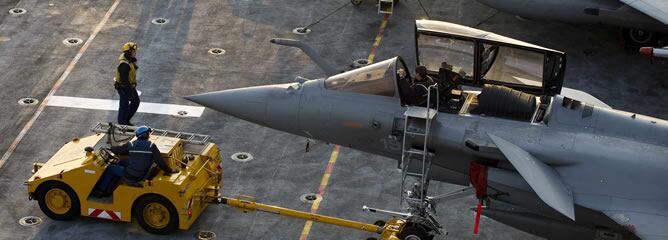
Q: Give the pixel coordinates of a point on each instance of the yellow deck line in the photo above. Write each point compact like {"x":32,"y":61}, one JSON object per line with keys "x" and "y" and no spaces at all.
{"x":335,"y":153}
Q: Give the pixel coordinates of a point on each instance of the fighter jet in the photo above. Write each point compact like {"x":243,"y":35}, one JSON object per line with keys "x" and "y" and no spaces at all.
{"x":642,"y":20}
{"x":548,"y":160}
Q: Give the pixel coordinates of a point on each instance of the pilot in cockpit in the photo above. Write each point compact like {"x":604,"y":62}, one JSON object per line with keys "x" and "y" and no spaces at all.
{"x":425,"y":81}
{"x":447,"y":80}
{"x":412,"y":93}
{"x":422,"y":78}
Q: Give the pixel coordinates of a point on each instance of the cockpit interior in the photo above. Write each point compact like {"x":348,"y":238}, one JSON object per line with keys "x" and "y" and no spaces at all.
{"x":476,"y":73}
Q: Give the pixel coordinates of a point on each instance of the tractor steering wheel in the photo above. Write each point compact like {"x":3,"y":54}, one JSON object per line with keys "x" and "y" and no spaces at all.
{"x":108,"y":156}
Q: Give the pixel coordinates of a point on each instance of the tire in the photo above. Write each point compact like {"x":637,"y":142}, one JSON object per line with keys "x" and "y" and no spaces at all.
{"x":641,"y":38}
{"x":150,"y":212}
{"x":380,"y":223}
{"x":58,"y":201}
{"x":414,"y":232}
{"x":356,"y":2}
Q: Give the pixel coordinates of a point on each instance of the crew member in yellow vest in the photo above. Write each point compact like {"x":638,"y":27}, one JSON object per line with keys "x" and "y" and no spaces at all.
{"x":125,"y":83}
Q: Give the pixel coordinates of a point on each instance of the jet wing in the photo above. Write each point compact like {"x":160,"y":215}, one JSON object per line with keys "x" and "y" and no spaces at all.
{"x":543,"y":179}
{"x":657,"y":9}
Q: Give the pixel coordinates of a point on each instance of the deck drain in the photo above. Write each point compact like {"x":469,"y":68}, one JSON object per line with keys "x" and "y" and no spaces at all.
{"x":159,"y":21}
{"x":30,"y":221}
{"x":309,"y":197}
{"x":362,"y":62}
{"x":72,"y":41}
{"x":28,"y":101}
{"x":217,"y":51}
{"x":301,"y":31}
{"x":206,"y":235}
{"x":242,"y":157}
{"x":17,"y":11}
{"x":182,"y":113}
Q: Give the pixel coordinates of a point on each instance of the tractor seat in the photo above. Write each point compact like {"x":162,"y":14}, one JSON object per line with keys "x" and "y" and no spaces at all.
{"x":152,"y":171}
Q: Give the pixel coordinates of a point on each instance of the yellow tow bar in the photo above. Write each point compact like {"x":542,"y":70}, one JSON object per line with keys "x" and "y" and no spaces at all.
{"x":387,"y":232}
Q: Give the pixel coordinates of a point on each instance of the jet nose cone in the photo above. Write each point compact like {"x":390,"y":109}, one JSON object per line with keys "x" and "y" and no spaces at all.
{"x":274,"y":106}
{"x":245,"y":103}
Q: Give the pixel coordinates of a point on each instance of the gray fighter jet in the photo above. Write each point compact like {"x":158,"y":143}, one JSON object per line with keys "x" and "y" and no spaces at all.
{"x":643,"y":20}
{"x":551,"y":161}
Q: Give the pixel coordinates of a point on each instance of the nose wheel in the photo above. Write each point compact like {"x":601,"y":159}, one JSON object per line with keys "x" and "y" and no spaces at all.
{"x":414,"y":231}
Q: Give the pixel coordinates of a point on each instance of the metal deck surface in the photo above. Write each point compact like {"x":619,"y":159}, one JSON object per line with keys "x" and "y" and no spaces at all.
{"x":174,"y":62}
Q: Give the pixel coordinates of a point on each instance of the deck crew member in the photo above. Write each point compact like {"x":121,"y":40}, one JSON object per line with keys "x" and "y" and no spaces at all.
{"x":142,"y":153}
{"x":125,"y":83}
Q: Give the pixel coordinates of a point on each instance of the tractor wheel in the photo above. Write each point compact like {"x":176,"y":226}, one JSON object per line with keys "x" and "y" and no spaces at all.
{"x":58,"y":201}
{"x":414,"y":232}
{"x":156,"y":215}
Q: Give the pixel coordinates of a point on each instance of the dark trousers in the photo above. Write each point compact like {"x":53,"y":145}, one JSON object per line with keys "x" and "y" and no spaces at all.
{"x":127,"y":105}
{"x":113,"y":171}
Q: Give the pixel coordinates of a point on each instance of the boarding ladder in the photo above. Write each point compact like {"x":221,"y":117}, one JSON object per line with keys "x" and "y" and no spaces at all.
{"x":110,"y":128}
{"x":415,"y":117}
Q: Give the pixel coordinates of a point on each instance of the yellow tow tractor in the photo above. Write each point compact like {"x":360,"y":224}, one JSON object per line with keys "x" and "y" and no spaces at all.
{"x":161,"y":203}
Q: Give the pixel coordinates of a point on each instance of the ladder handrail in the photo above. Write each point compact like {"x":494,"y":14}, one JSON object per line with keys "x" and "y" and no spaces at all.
{"x":426,"y":163}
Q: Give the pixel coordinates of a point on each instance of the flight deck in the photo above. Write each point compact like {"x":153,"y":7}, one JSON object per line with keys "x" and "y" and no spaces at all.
{"x":68,"y":50}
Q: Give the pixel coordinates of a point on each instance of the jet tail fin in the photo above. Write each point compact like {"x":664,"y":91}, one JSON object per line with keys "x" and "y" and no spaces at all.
{"x":543,"y":179}
{"x":319,"y":60}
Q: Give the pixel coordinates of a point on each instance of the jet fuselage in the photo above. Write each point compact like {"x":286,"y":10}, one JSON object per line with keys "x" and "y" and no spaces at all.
{"x":611,"y":12}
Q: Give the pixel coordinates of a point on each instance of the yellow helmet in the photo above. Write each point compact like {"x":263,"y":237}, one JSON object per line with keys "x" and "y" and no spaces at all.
{"x":129,"y":46}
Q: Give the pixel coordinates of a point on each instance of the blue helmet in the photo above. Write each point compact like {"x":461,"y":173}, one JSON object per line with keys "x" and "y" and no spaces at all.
{"x":142,"y":131}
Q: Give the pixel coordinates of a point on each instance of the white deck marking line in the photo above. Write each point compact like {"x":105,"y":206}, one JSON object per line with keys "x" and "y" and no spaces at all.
{"x":112,"y":105}
{"x":55,"y":87}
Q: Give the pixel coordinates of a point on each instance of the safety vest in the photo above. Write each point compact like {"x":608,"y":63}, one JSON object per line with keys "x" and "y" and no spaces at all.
{"x":132,"y":76}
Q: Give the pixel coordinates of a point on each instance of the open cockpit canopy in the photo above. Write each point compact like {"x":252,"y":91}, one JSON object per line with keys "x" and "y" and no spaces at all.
{"x":481,"y":57}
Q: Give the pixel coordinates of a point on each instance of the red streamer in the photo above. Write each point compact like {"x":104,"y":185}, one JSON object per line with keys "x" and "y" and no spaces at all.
{"x":477,"y":218}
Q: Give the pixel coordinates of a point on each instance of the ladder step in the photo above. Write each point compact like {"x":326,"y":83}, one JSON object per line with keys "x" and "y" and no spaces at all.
{"x":412,"y":174}
{"x":418,"y":152}
{"x":415,"y":133}
{"x":420,"y":112}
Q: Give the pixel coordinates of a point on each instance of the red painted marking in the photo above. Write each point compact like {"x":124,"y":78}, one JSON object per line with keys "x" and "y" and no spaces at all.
{"x":95,"y":213}
{"x":477,"y":218}
{"x":113,"y":215}
{"x":329,"y":168}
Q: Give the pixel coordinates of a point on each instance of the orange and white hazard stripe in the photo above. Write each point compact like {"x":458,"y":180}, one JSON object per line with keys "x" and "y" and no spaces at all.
{"x":106,"y":214}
